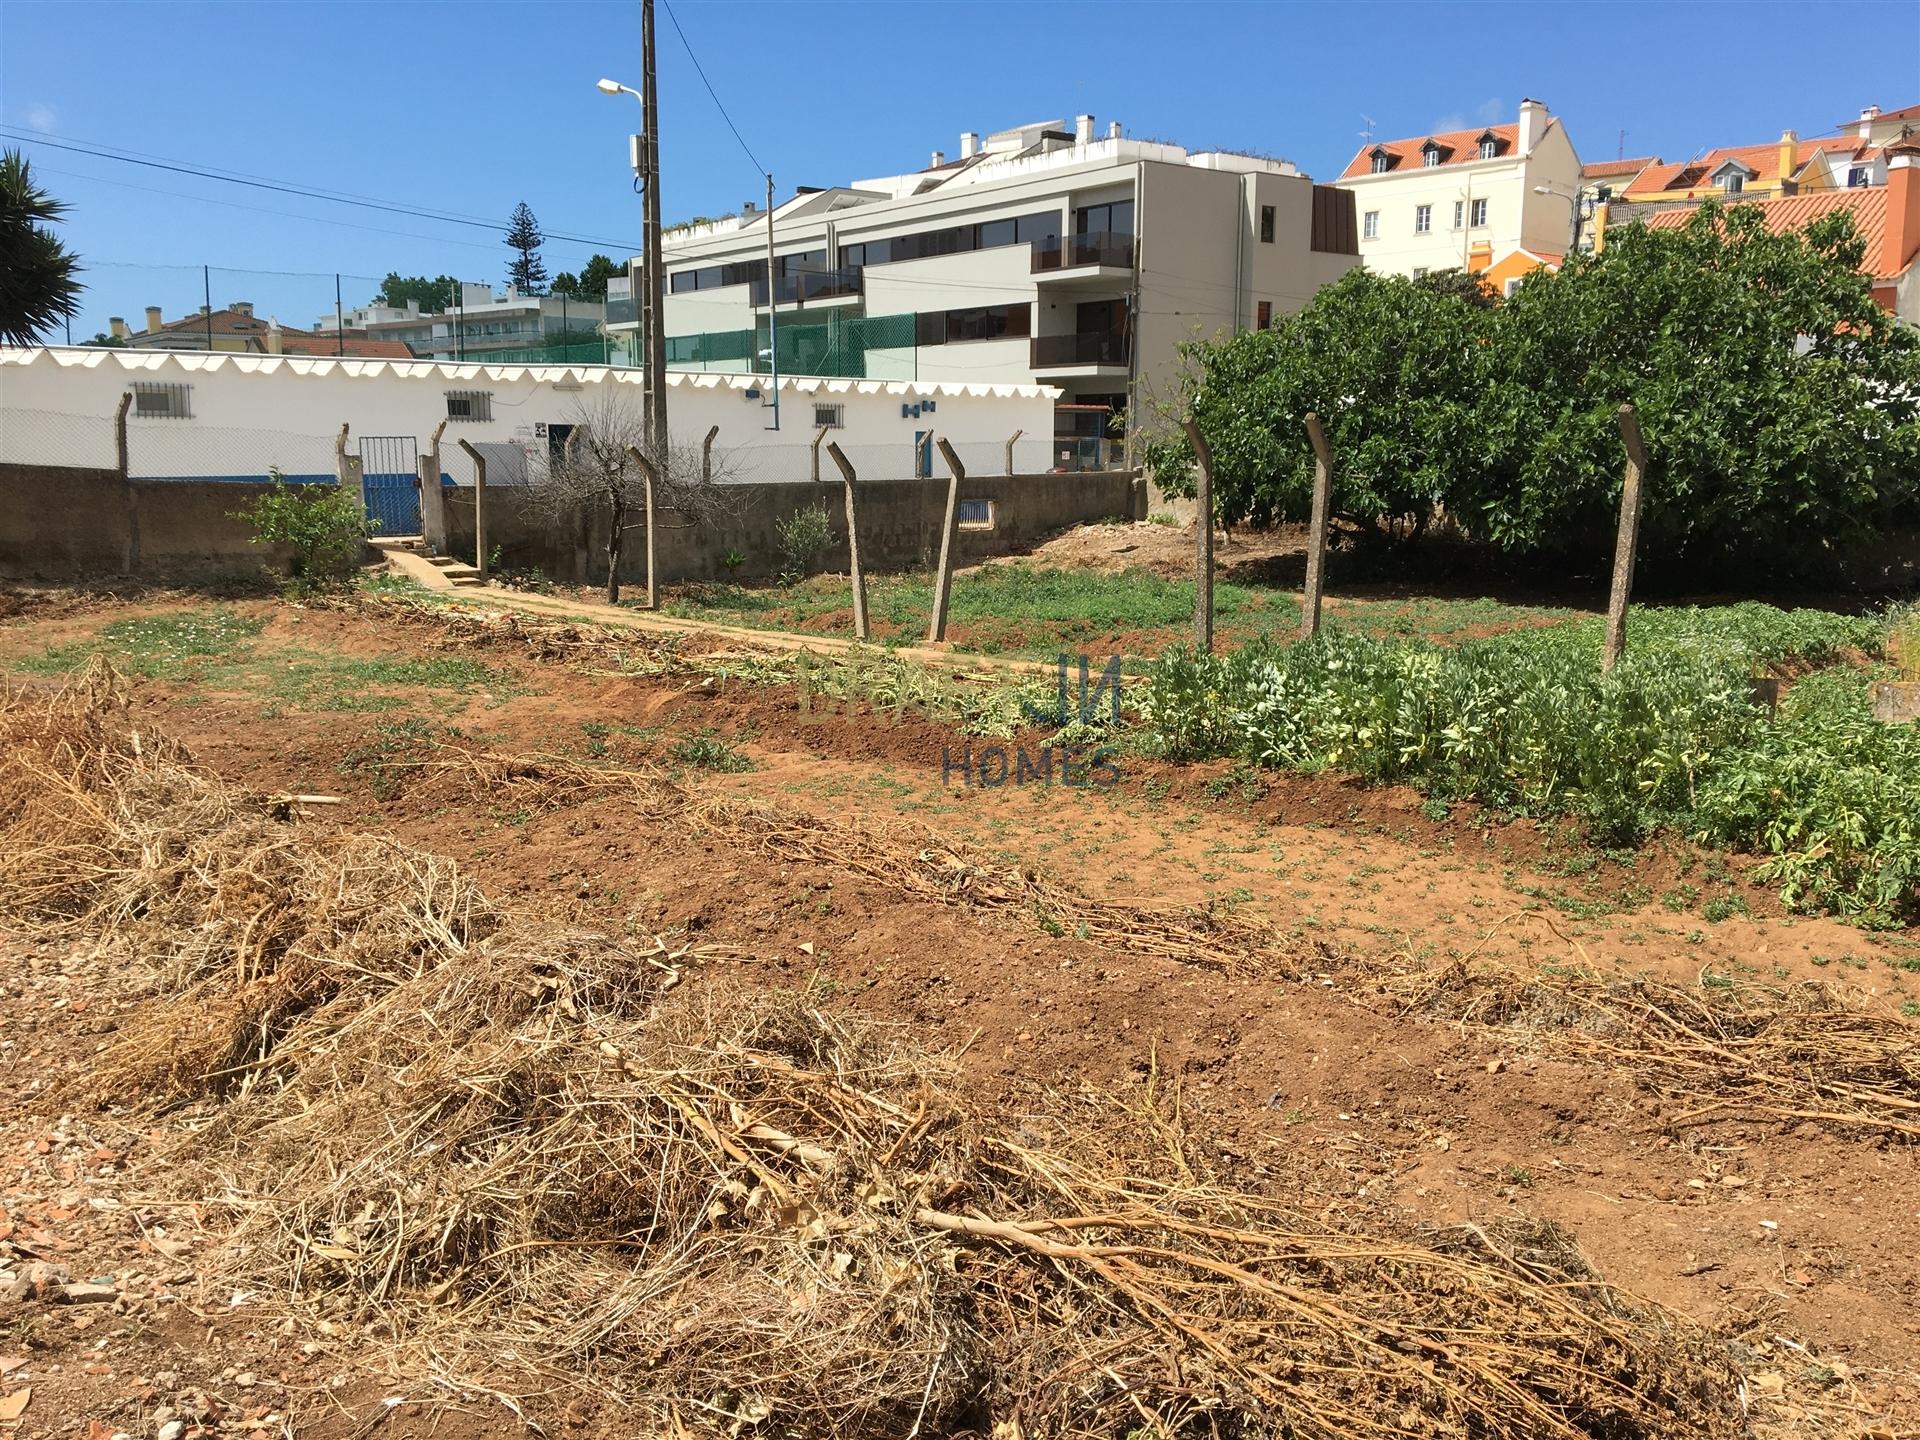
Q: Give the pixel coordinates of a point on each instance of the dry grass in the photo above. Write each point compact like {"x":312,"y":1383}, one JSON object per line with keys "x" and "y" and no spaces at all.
{"x":1723,"y":1048}
{"x":529,"y":1160}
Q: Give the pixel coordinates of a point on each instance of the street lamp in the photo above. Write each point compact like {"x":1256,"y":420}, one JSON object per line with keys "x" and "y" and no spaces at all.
{"x":614,"y":87}
{"x":1574,"y":217}
{"x":645,"y":157}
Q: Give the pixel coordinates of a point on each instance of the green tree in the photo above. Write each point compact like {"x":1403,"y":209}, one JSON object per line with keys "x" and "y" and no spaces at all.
{"x":527,"y":270}
{"x":433,"y":296}
{"x":1389,"y":365}
{"x":1457,"y":282}
{"x":1780,"y":404}
{"x":103,"y":341}
{"x":39,"y":276}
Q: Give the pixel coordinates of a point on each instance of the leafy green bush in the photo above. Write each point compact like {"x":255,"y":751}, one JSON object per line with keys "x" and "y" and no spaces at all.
{"x":1780,"y":404}
{"x":1528,"y":722}
{"x":799,"y":539}
{"x":321,"y":524}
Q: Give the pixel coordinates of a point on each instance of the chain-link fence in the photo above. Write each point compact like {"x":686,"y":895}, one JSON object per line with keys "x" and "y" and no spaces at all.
{"x":54,"y":437}
{"x":175,"y":450}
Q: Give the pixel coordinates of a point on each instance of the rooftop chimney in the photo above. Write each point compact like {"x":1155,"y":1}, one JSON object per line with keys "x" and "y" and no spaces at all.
{"x":1083,"y":129}
{"x":1533,"y":125}
{"x":242,"y":307}
{"x":939,"y":159}
{"x":969,"y":144}
{"x":1113,"y":130}
{"x":1867,"y":117}
{"x":1789,"y":161}
{"x":118,"y":325}
{"x":153,"y":318}
{"x":273,"y":337}
{"x":1900,"y":241}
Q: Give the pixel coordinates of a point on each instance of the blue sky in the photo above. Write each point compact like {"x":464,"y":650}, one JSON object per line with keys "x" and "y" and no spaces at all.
{"x":473,"y":107}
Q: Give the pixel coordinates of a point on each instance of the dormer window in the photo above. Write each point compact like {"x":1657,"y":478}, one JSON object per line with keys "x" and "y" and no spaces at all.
{"x":1732,"y":183}
{"x":1489,"y":148}
{"x":1381,"y":160}
{"x":1430,"y":156}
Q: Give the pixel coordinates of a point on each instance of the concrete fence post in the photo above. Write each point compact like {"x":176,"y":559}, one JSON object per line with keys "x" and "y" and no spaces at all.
{"x":818,"y":436}
{"x":706,"y":456}
{"x":1626,"y":540}
{"x":131,"y":495}
{"x":1203,"y":539}
{"x":853,"y":544}
{"x":1011,"y":441}
{"x":479,"y":507}
{"x":1316,"y":528}
{"x":943,"y":583}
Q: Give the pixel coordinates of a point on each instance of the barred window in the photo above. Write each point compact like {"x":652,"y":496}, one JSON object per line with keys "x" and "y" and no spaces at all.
{"x":156,"y":400}
{"x":974,"y":515}
{"x":469,"y":405}
{"x":834,"y":417}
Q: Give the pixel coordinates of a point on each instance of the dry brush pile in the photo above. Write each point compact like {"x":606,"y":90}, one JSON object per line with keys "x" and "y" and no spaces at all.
{"x":1727,"y":1047}
{"x":532,"y":1161}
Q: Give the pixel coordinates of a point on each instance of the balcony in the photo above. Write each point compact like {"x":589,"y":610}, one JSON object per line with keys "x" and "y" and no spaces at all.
{"x":1098,"y":256}
{"x":622,"y":310}
{"x":1089,"y":354}
{"x":807,"y":287}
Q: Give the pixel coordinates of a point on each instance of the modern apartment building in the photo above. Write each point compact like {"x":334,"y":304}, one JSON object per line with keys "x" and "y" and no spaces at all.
{"x":1465,"y":199}
{"x":1041,"y":254}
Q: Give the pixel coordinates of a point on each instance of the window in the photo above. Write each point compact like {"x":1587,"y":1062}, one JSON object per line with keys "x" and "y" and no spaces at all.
{"x":1370,"y":226}
{"x":834,"y":417}
{"x":1111,"y":219}
{"x":1489,"y":149}
{"x":1422,"y":219}
{"x":1512,"y":285}
{"x":1430,"y":157}
{"x":988,"y":322}
{"x":1266,"y":224}
{"x":1859,"y":175}
{"x":954,"y":240}
{"x":153,"y":400}
{"x":1732,"y":183}
{"x":1479,"y":212}
{"x":974,"y":515}
{"x":1380,"y":164}
{"x":1419,"y":272}
{"x":1263,"y":315}
{"x":469,"y":405}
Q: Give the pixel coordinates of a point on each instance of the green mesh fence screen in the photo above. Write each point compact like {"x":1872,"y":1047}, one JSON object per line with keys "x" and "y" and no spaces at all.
{"x":845,"y":347}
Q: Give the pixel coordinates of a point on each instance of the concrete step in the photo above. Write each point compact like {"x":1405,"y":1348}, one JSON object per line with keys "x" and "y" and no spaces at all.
{"x":469,"y":580}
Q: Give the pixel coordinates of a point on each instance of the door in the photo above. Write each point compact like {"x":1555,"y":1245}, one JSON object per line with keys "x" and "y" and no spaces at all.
{"x":923,"y":454}
{"x":390,"y":475}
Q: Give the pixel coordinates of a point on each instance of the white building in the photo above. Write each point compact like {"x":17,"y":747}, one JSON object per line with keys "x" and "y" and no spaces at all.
{"x":483,"y":323}
{"x":1465,"y":198}
{"x":1042,"y":254}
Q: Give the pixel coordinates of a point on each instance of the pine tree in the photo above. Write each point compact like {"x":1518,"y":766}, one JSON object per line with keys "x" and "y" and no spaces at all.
{"x":39,"y":284}
{"x":528,"y":272}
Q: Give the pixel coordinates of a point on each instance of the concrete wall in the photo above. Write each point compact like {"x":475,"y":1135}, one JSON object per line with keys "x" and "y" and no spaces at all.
{"x":899,"y":526}
{"x":60,"y":520}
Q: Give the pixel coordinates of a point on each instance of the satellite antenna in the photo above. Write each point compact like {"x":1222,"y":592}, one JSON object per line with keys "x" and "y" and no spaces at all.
{"x":1366,"y":134}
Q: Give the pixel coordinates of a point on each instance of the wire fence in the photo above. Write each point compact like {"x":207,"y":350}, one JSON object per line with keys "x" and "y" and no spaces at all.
{"x":54,"y":437}
{"x":190,"y":450}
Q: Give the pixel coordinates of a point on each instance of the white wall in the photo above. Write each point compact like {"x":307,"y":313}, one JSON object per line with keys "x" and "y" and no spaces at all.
{"x":56,"y":407}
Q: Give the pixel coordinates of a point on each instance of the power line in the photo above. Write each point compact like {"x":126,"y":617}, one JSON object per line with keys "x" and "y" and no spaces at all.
{"x":282,"y":188}
{"x":700,"y":70}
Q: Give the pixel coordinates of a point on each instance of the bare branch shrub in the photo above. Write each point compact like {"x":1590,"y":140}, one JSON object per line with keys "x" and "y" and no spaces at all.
{"x":594,"y":472}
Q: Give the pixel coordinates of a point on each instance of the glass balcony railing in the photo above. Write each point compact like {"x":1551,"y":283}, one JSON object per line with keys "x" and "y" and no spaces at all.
{"x":1070,"y":252}
{"x":805,"y":287}
{"x":1055,"y":350}
{"x":622,"y":310}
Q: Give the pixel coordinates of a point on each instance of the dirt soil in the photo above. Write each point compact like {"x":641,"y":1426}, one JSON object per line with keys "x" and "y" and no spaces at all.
{"x":1794,"y":1240}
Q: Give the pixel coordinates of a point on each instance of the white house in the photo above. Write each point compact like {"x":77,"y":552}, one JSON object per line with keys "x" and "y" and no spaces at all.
{"x":1466,"y":198}
{"x":483,"y":323}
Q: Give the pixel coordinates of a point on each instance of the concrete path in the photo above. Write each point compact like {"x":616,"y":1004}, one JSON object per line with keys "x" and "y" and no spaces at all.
{"x":429,"y":576}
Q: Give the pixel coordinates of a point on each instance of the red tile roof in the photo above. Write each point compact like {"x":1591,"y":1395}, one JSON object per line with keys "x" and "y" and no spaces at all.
{"x":1458,"y":147}
{"x":1905,"y":112}
{"x":223,"y":322}
{"x":1868,"y":205}
{"x":301,"y":342}
{"x":1602,"y":169}
{"x":1763,"y":161}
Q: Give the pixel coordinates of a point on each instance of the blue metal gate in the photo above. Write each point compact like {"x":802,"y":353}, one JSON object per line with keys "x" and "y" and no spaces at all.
{"x":389,"y":472}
